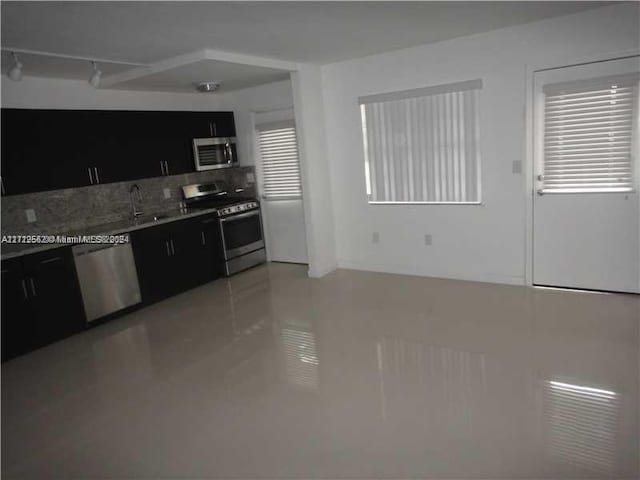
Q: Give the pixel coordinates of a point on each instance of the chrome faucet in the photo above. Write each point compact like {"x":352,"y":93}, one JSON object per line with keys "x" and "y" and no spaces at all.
{"x":135,"y":209}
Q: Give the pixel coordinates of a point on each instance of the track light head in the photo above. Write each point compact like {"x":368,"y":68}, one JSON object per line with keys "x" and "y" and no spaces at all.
{"x":15,"y":73}
{"x":96,"y":75}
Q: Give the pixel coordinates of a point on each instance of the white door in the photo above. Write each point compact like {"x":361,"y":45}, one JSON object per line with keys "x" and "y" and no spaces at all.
{"x":281,"y":192}
{"x":586,"y":217}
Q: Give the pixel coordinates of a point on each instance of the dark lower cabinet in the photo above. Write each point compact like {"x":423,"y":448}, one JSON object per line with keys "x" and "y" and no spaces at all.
{"x":17,"y":312}
{"x":176,"y":256}
{"x":41,"y":301}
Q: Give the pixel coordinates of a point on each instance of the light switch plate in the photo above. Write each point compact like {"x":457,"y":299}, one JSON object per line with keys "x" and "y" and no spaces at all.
{"x":375,"y":237}
{"x":31,"y":215}
{"x":167,"y":193}
{"x":428,"y":239}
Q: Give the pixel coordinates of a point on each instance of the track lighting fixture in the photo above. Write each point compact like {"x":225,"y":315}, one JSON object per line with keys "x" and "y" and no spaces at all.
{"x":15,"y":73}
{"x":94,"y":80}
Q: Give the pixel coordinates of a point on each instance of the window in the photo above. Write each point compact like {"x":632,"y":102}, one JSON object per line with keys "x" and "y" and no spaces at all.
{"x":280,"y":165}
{"x":422,"y":145}
{"x":589,"y":135}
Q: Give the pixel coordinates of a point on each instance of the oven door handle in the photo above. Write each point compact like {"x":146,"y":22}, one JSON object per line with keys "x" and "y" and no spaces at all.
{"x":240,"y":215}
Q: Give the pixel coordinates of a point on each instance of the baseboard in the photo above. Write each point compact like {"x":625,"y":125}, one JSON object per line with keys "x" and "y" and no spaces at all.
{"x":415,"y":271}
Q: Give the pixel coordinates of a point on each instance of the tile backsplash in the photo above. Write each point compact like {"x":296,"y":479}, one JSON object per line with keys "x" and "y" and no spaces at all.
{"x":72,"y":209}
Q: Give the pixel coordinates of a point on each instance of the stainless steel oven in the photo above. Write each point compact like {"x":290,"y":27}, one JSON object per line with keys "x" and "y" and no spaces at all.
{"x":240,"y":221}
{"x":212,"y":153}
{"x":242,"y":239}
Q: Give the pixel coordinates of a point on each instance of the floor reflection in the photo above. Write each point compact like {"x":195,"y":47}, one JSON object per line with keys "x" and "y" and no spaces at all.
{"x":271,"y":374}
{"x":582,"y":425}
{"x":440,"y":383}
{"x":300,"y":357}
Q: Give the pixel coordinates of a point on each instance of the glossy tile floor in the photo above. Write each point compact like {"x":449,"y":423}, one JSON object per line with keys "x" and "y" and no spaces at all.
{"x":357,"y":375}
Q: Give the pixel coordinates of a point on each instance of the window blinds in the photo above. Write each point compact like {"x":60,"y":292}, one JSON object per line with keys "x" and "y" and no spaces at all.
{"x":422,"y":145}
{"x":589,"y":135}
{"x":279,"y":157}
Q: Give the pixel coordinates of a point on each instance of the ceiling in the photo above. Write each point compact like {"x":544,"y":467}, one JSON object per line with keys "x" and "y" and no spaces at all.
{"x":314,"y":32}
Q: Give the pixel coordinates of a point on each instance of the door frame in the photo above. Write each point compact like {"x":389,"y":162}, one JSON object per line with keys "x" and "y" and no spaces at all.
{"x":529,"y":179}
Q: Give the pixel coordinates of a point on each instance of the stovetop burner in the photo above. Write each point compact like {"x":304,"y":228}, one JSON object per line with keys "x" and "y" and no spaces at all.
{"x":215,"y":195}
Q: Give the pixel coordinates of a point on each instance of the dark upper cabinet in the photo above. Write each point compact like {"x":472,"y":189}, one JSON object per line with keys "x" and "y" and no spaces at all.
{"x":212,"y":124}
{"x":65,"y":134}
{"x":41,"y":301}
{"x":53,"y":149}
{"x":28,"y":148}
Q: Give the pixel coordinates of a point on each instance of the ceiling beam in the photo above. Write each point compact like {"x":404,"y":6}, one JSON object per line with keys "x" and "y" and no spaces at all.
{"x":251,"y":60}
{"x":194,"y":57}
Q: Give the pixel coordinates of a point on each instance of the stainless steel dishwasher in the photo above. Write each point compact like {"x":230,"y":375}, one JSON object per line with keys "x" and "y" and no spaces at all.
{"x":108,"y":278}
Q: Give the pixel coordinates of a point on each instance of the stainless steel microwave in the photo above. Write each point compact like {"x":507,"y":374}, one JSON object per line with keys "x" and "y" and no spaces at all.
{"x":215,"y":152}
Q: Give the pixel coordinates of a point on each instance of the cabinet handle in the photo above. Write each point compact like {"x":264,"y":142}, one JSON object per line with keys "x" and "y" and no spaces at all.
{"x":90,"y":176}
{"x":215,"y":132}
{"x":210,"y":130}
{"x":166,"y":168}
{"x":50,"y":260}
{"x":173,"y":250}
{"x":24,"y":290}
{"x":166,"y":244}
{"x":33,"y":287}
{"x":2,"y":183}
{"x":204,"y":240}
{"x":95,"y":169}
{"x":161,"y":168}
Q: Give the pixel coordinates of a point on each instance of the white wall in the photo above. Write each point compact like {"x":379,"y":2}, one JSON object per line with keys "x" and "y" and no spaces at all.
{"x":243,"y":103}
{"x":34,"y":92}
{"x":487,"y":242}
{"x":308,"y":101}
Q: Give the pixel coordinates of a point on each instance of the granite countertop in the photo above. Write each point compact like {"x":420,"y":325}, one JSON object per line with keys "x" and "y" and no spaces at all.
{"x":12,"y":250}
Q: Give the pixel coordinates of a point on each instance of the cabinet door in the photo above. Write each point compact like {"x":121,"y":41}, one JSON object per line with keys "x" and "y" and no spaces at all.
{"x":198,"y":250}
{"x":211,"y":124}
{"x":152,"y":253}
{"x":109,"y":149}
{"x":68,"y":137}
{"x":169,"y":142}
{"x":17,"y":316}
{"x":224,"y":124}
{"x":188,"y":251}
{"x":211,"y":258}
{"x":53,"y":286}
{"x":23,"y":151}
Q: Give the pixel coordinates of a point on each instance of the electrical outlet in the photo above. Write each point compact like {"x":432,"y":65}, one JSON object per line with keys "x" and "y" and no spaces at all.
{"x":167,"y":193}
{"x":31,"y":215}
{"x":428,"y":240}
{"x":375,"y":237}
